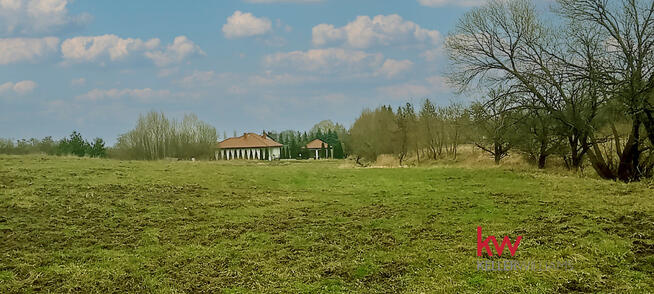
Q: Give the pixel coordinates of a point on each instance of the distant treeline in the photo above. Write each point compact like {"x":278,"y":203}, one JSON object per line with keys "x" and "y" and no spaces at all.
{"x":157,"y":137}
{"x":154,"y":137}
{"x":429,"y":133}
{"x":72,"y":145}
{"x":436,"y":132}
{"x":295,"y":141}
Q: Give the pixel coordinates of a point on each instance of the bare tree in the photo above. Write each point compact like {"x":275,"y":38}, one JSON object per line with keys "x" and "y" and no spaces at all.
{"x":157,"y":137}
{"x":505,"y":44}
{"x":430,"y":128}
{"x":495,"y":121}
{"x":623,"y":33}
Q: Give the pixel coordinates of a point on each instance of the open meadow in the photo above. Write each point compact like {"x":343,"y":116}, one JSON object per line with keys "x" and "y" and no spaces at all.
{"x":96,"y":225}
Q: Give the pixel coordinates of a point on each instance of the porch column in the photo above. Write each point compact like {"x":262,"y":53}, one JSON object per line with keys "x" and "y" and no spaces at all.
{"x":258,"y":152}
{"x":269,"y":154}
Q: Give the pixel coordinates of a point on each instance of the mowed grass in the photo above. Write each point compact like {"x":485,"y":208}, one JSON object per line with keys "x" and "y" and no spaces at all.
{"x":92,"y":225}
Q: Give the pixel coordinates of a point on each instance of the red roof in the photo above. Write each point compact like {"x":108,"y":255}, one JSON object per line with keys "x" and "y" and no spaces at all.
{"x":317,"y":144}
{"x":248,"y":140}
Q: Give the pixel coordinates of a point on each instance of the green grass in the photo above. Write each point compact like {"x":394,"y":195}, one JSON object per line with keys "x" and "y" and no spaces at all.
{"x":91,"y":225}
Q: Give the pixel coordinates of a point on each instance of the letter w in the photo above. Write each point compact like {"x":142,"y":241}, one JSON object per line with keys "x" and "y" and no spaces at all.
{"x":507,"y":242}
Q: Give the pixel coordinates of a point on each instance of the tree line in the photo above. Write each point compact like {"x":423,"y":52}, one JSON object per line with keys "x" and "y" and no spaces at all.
{"x":431,"y":132}
{"x":436,"y":132}
{"x":295,"y":141}
{"x":156,"y":136}
{"x":74,"y":144}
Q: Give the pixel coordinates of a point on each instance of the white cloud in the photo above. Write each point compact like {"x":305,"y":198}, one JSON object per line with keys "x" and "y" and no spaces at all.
{"x":441,"y":3}
{"x":26,"y":49}
{"x":382,"y":30}
{"x":20,"y":88}
{"x":36,"y":16}
{"x":345,"y":62}
{"x":180,"y":49}
{"x":420,"y":89}
{"x":24,"y":87}
{"x":392,"y":67}
{"x":246,"y":25}
{"x":140,"y":94}
{"x":325,"y":60}
{"x":324,"y":33}
{"x":86,"y":49}
{"x":99,"y":48}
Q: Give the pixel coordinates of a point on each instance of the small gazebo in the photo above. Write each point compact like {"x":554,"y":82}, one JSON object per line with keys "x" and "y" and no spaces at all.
{"x":317,"y":145}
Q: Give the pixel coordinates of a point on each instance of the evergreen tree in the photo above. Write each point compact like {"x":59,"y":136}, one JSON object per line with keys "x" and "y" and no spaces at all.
{"x":97,"y":149}
{"x":338,"y":151}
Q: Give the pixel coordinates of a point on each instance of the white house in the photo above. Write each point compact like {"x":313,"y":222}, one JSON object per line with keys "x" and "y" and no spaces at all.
{"x":249,"y":146}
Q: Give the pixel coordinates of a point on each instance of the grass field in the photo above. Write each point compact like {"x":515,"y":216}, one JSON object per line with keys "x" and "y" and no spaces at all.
{"x":91,"y":225}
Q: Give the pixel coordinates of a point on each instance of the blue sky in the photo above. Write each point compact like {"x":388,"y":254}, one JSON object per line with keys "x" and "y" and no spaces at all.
{"x":242,"y":65}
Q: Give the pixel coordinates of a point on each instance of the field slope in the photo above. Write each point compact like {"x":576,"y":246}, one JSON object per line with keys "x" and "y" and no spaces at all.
{"x":91,"y":225}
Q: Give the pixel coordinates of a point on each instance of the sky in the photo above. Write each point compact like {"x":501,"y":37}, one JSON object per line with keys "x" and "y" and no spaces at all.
{"x":239,"y":65}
